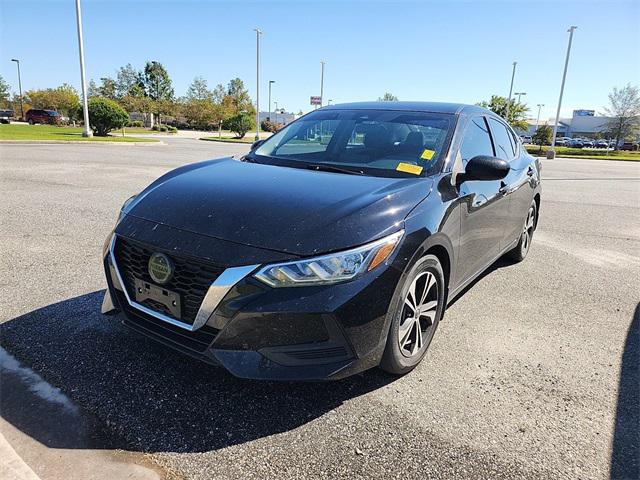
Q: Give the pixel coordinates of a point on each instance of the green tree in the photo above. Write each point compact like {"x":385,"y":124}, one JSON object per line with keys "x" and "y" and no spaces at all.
{"x":517,"y":111}
{"x":92,"y":89}
{"x":129,"y":81}
{"x":158,"y":86}
{"x":107,"y":88}
{"x":199,"y":90}
{"x":4,"y":93}
{"x":624,"y":108}
{"x":542,"y":136}
{"x":388,"y":97}
{"x":240,"y":124}
{"x":238,"y":97}
{"x":106,"y":115}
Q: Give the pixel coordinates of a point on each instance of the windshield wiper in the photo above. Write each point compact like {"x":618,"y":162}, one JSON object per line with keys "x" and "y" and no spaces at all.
{"x":323,"y":167}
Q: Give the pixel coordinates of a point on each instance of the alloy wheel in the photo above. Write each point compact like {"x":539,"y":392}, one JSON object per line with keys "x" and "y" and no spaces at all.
{"x":418,"y":314}
{"x":527,"y":232}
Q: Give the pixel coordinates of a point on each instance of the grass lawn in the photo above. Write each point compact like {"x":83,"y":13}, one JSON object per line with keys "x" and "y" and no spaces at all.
{"x":246,"y":139}
{"x":51,"y":132}
{"x":586,"y":153}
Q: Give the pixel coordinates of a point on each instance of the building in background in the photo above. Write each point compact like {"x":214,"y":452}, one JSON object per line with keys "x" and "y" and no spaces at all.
{"x":279,"y":117}
{"x":583,"y":123}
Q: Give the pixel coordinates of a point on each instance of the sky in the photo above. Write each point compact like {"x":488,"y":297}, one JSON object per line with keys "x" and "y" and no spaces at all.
{"x":431,"y":50}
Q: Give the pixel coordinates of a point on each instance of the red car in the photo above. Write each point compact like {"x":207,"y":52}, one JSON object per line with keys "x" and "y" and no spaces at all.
{"x":34,"y":116}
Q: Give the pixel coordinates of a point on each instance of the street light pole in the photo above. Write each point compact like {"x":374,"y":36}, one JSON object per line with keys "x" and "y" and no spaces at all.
{"x":276,"y":112}
{"x":86,"y":132}
{"x":271,"y":82}
{"x":258,"y":33}
{"x":19,"y":88}
{"x":329,"y":101}
{"x":513,"y":75}
{"x":520,"y":95}
{"x":540,"y":105}
{"x":322,"y":62}
{"x":552,"y":151}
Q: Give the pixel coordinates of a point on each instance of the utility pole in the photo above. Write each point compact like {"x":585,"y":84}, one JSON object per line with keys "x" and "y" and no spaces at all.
{"x":322,"y":62}
{"x":271,"y":82}
{"x":540,"y":105}
{"x":513,"y":75}
{"x":552,"y":151}
{"x":86,"y":131}
{"x":19,"y":88}
{"x":258,"y":33}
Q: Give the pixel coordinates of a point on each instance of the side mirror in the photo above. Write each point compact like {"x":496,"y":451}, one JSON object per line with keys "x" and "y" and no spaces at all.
{"x":484,"y":167}
{"x":256,"y":144}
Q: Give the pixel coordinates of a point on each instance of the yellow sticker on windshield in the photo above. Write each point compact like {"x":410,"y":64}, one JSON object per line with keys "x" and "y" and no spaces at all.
{"x":427,"y":154}
{"x":408,"y":168}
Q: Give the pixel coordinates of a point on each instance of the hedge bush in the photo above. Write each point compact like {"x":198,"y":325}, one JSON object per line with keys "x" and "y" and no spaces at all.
{"x":105,"y":115}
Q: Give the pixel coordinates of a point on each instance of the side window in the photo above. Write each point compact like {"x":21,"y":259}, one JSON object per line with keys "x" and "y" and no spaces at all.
{"x":476,"y":140}
{"x":502,"y":140}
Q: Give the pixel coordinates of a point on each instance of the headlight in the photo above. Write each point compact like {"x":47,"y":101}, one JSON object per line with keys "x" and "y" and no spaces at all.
{"x":332,"y":268}
{"x":126,"y":203}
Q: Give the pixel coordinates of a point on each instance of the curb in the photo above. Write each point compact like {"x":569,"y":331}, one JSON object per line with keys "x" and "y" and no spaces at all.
{"x":78,"y":142}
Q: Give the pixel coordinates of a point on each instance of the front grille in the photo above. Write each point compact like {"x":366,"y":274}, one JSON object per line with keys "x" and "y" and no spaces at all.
{"x":191,"y":278}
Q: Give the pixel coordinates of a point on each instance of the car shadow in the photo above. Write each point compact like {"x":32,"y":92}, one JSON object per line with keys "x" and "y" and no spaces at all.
{"x":150,"y":398}
{"x":625,"y":455}
{"x":501,"y":262}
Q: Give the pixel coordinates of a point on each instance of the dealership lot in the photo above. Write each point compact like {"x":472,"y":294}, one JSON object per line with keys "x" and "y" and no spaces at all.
{"x":533,"y":372}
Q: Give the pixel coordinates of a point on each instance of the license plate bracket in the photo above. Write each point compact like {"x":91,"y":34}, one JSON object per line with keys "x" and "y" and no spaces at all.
{"x":148,"y":291}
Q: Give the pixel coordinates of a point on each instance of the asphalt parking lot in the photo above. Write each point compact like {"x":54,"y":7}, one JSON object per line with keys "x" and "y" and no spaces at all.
{"x":532,"y":374}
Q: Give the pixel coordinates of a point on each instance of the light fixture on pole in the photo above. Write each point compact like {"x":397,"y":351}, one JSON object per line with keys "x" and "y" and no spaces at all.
{"x":258,"y":33}
{"x":19,"y":88}
{"x":540,"y":105}
{"x":552,"y":151}
{"x":271,"y":82}
{"x":86,"y":131}
{"x":322,"y":62}
{"x":513,"y":75}
{"x":519,"y":94}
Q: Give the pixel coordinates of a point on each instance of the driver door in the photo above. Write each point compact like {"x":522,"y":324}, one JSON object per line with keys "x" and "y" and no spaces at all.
{"x":483,"y":206}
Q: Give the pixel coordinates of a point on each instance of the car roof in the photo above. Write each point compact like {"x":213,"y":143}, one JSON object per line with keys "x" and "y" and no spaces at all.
{"x":431,"y":107}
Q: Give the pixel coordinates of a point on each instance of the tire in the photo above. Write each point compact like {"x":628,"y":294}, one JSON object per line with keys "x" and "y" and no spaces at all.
{"x":519,"y":252}
{"x":405,"y":349}
{"x":31,"y":122}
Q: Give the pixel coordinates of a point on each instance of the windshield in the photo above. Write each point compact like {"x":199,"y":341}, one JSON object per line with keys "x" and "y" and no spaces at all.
{"x":371,"y":142}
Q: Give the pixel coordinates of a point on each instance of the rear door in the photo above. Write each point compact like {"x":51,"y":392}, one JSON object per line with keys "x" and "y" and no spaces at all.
{"x":517,"y":186}
{"x":483,"y":207}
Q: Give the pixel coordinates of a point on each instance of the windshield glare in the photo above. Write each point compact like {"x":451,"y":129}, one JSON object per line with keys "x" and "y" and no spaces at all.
{"x":375,"y":142}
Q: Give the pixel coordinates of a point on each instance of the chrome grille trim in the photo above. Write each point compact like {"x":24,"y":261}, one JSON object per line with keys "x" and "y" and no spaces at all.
{"x":216,"y":292}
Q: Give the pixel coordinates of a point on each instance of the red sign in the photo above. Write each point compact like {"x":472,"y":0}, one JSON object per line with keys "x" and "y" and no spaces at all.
{"x":316,"y":100}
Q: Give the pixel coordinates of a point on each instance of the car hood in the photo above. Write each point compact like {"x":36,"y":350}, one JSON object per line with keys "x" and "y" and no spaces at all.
{"x":297,"y":211}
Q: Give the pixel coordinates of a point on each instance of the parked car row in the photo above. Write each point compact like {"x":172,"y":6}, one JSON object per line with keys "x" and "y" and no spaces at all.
{"x":584,"y":143}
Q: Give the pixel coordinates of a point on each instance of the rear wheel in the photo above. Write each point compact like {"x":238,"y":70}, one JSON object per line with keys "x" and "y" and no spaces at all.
{"x":30,"y":122}
{"x":418,"y":310}
{"x":522,"y":248}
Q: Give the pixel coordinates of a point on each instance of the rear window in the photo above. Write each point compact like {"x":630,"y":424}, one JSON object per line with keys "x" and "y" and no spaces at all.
{"x":374,"y":142}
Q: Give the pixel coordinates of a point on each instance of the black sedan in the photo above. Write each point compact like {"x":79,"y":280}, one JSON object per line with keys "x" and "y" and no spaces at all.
{"x":332,"y":247}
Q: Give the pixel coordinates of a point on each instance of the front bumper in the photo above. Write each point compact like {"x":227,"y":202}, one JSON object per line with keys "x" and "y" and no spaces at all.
{"x":258,"y":332}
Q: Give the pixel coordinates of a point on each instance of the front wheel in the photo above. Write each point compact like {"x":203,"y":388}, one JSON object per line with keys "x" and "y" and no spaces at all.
{"x":417,"y":312}
{"x":520,"y":251}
